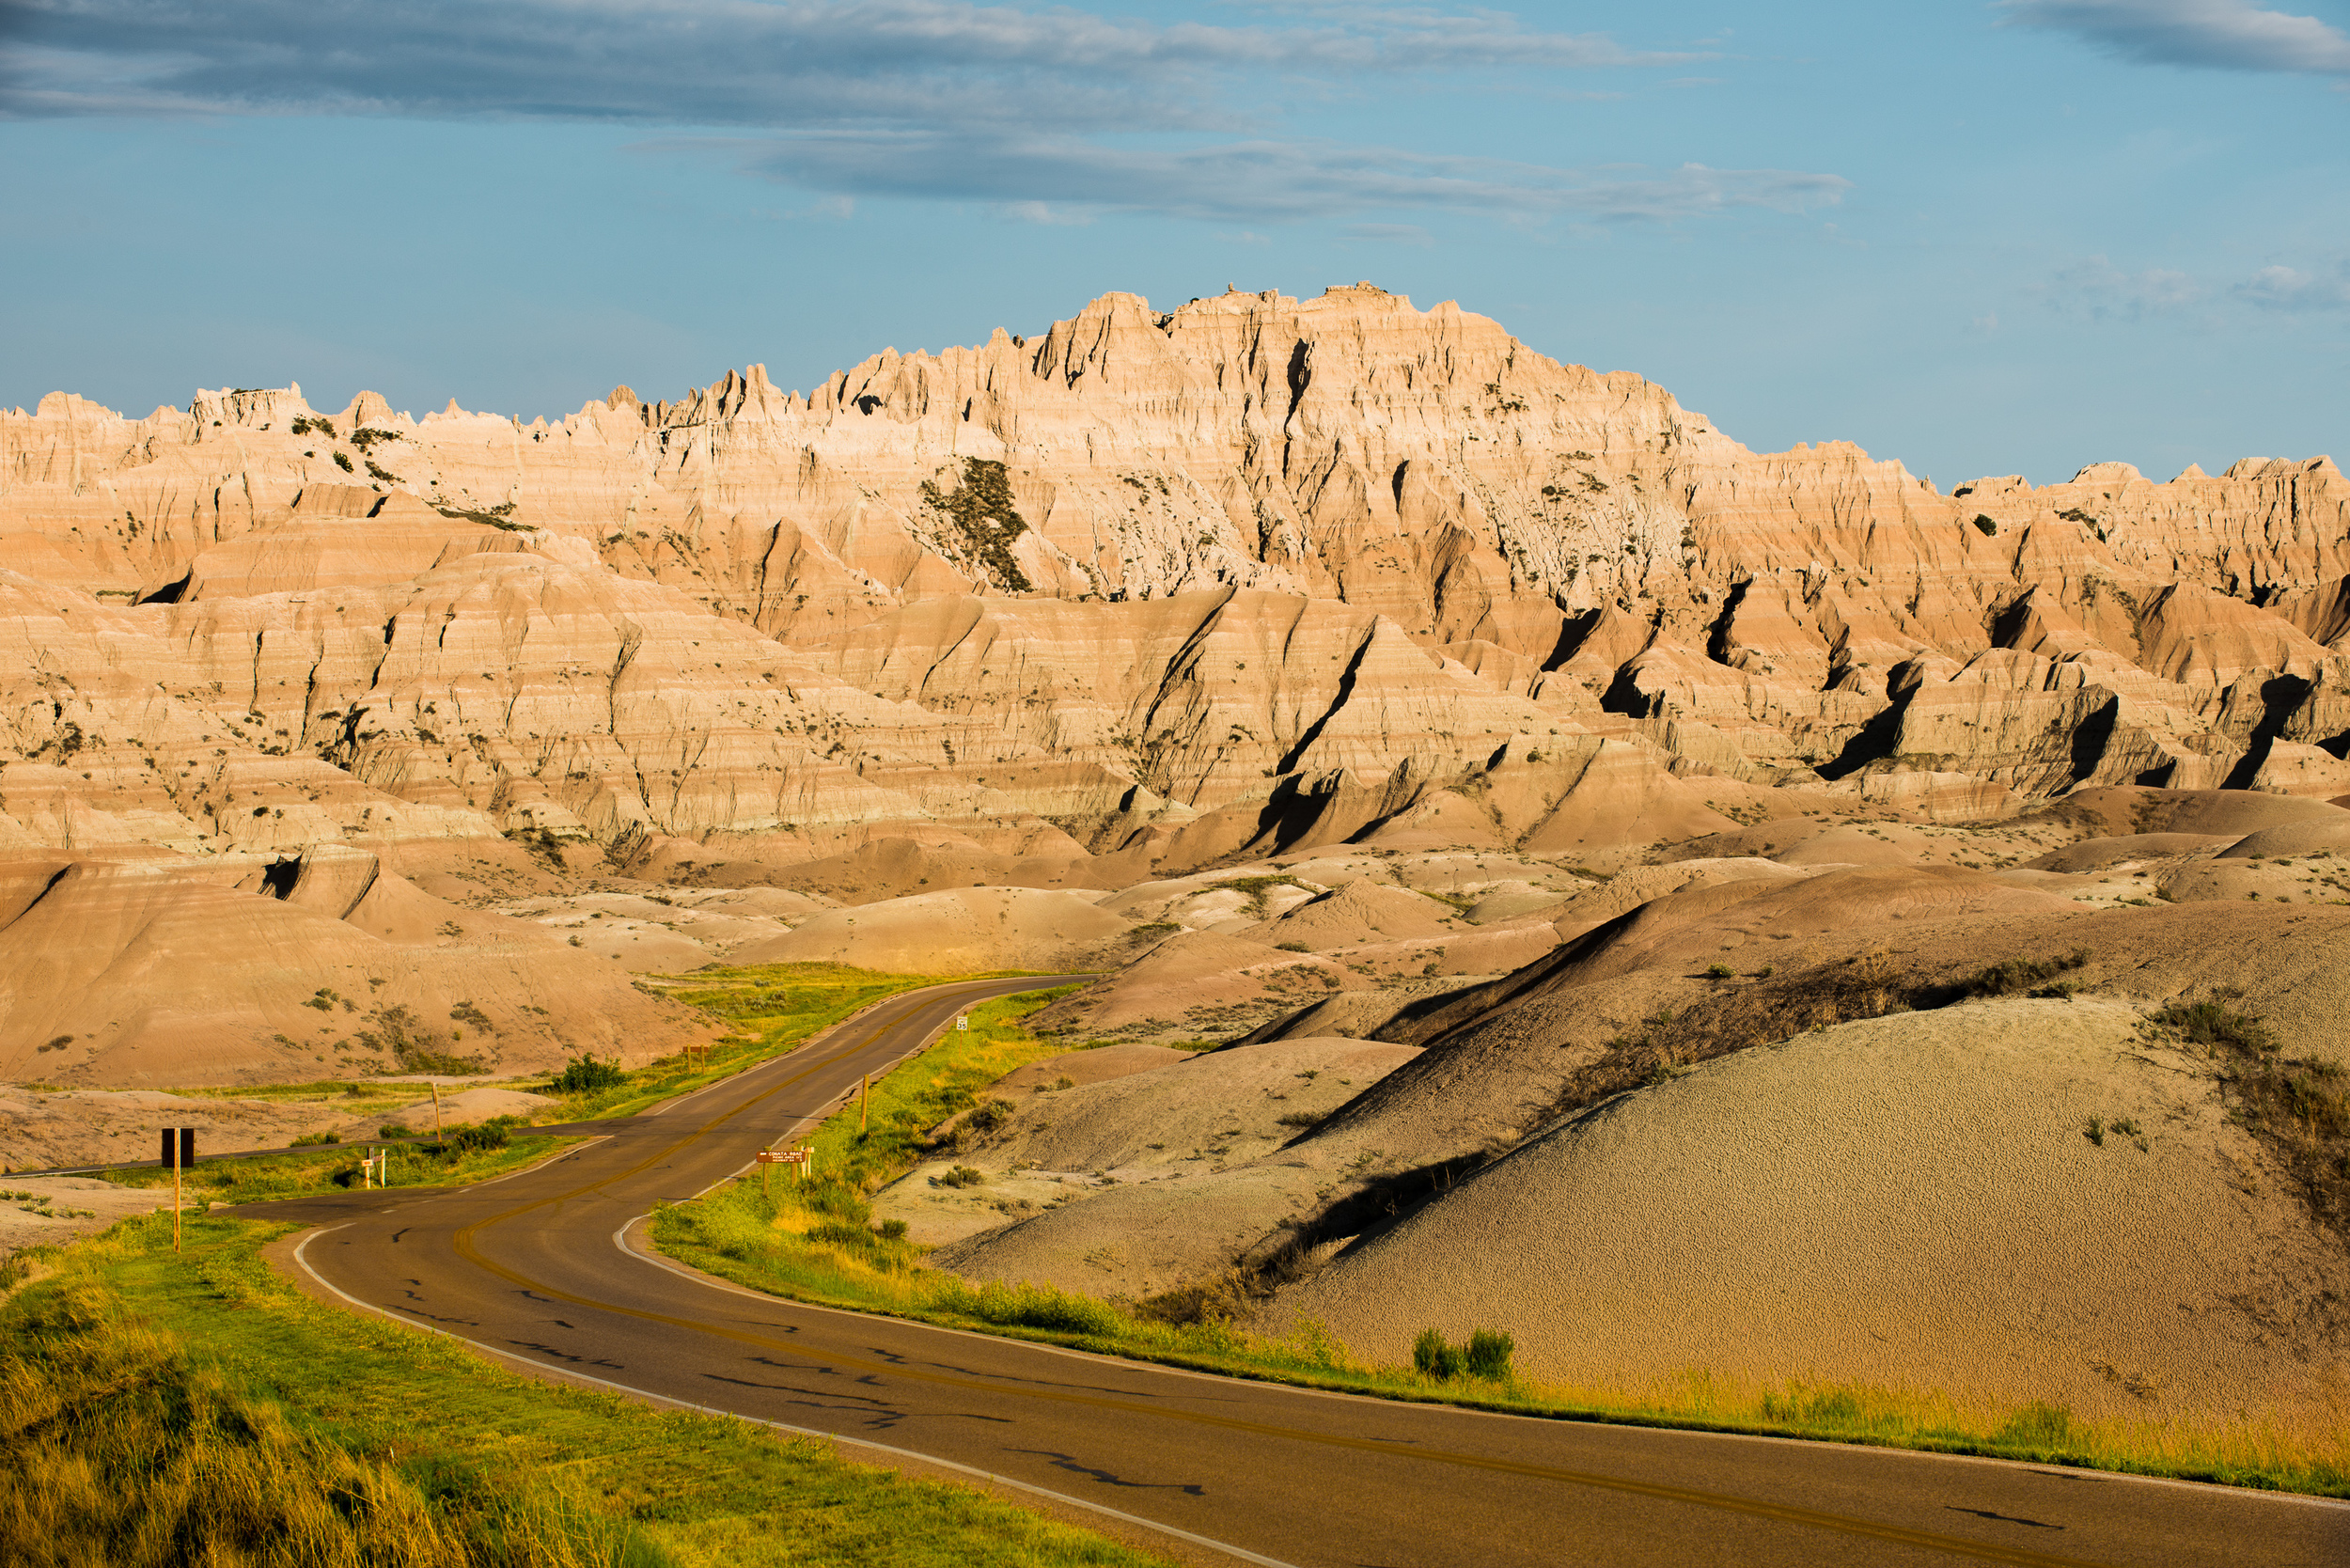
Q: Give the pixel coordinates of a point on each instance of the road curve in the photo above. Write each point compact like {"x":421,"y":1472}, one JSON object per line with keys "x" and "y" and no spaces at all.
{"x":543,"y":1267}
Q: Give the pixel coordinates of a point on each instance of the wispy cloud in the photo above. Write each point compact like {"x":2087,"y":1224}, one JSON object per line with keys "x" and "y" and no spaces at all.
{"x":1045,"y":116}
{"x":774,"y":63}
{"x":1259,"y":179}
{"x":2290,"y":289}
{"x":2220,"y":34}
{"x":1389,"y":234}
{"x":2098,"y":288}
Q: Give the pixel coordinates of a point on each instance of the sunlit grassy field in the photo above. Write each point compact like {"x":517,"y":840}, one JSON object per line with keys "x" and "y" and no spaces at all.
{"x":771,"y":1008}
{"x":159,"y":1409}
{"x":325,"y":1168}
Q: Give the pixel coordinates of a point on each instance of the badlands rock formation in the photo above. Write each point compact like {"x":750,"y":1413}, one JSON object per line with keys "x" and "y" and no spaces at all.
{"x":1534,"y":798}
{"x":1153,"y":592}
{"x":1255,"y":571}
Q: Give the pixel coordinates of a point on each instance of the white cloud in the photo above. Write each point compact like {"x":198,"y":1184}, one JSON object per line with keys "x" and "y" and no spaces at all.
{"x":2222,"y":34}
{"x":936,"y":99}
{"x":1261,"y":179}
{"x":772,"y":63}
{"x":2288,"y":289}
{"x":2098,"y":288}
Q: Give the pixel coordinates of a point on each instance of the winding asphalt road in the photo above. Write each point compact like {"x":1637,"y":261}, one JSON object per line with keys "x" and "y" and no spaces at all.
{"x":548,"y":1268}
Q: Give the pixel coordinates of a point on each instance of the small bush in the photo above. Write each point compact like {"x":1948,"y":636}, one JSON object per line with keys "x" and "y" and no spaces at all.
{"x":987,"y":1116}
{"x":1486,"y":1354}
{"x":1717,"y":971}
{"x":2041,"y":1427}
{"x":342,"y":462}
{"x":1293,"y":947}
{"x":395,"y":1129}
{"x":586,"y":1074}
{"x":891,"y":1230}
{"x":488,"y":1135}
{"x":1031,"y":1306}
{"x":2213,"y":1022}
{"x":1301,"y":1119}
{"x":2018,"y":976}
{"x":961,"y":1176}
{"x":308,"y":1140}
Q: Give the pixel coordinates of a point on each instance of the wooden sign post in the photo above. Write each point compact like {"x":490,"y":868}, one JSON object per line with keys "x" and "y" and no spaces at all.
{"x":798,"y":1159}
{"x":436,"y":1113}
{"x":863,"y":1102}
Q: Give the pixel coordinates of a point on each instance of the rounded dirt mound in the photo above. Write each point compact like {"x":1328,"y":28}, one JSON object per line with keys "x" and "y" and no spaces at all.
{"x":2012,"y":1201}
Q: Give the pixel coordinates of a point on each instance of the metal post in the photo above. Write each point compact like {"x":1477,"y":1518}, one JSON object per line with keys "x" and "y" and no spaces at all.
{"x":182,"y":1152}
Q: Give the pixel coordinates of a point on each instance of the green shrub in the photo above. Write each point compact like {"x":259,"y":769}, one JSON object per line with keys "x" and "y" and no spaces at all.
{"x":979,"y":509}
{"x":342,"y":461}
{"x":1487,"y":1355}
{"x":586,"y":1074}
{"x":488,"y":1135}
{"x":891,"y":1230}
{"x":2041,"y":1427}
{"x":961,"y":1176}
{"x":1717,"y":971}
{"x":1029,"y":1307}
{"x":311,"y":1139}
{"x":2213,"y":1022}
{"x":2021,"y":976}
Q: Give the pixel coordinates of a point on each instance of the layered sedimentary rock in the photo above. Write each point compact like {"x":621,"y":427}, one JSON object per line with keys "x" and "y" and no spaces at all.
{"x":1255,"y":571}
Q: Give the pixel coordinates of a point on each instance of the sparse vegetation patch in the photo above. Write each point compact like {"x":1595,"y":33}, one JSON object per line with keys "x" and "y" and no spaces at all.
{"x":984,"y":522}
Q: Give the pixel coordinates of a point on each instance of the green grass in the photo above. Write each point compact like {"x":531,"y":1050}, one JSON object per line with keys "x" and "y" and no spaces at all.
{"x":323,"y":1091}
{"x":335,"y":1166}
{"x":164,"y":1409}
{"x":771,"y":1008}
{"x":817,"y":1242}
{"x":774,"y":1008}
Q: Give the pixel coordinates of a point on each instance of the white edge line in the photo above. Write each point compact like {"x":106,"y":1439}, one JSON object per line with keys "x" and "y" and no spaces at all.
{"x":2064,"y":1472}
{"x":1241,"y":1553}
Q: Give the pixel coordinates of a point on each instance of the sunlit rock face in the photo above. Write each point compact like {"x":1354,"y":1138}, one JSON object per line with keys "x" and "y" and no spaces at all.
{"x":1172,"y":586}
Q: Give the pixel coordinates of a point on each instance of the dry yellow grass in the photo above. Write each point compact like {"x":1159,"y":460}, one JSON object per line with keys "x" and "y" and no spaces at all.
{"x":119,"y":1452}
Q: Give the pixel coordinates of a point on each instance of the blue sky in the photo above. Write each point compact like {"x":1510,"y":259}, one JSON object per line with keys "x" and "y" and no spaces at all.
{"x":1978,"y":237}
